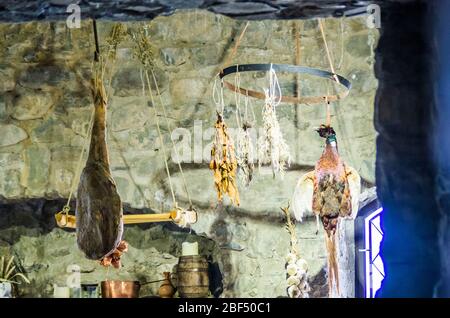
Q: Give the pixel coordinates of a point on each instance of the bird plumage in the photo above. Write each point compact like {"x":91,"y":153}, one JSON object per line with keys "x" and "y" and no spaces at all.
{"x":331,"y":192}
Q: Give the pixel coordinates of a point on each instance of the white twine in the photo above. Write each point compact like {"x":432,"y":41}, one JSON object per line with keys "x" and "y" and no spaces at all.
{"x":273,"y":96}
{"x":214,"y":92}
{"x":218,"y":95}
{"x":237,"y":97}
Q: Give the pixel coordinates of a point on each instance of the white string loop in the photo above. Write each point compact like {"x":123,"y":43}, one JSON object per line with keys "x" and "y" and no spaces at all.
{"x":216,"y":94}
{"x":273,"y":95}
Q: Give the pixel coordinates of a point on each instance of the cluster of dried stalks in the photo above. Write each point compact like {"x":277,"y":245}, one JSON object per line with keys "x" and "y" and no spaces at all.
{"x":224,"y":163}
{"x":245,"y":155}
{"x":273,"y":149}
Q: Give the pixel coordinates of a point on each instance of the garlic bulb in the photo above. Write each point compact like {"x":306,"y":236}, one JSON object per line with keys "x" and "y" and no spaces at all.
{"x":293,"y":292}
{"x":291,"y":258}
{"x":293,"y":280}
{"x":291,"y":269}
{"x":297,"y":277}
{"x":296,"y":267}
{"x":302,"y":264}
{"x":301,"y":272}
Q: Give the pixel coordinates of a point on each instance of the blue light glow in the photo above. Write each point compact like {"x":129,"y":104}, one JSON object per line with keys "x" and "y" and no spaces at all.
{"x":374,"y":262}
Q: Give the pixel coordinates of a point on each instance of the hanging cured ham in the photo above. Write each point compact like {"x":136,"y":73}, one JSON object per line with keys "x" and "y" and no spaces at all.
{"x":331,"y":192}
{"x":99,"y":208}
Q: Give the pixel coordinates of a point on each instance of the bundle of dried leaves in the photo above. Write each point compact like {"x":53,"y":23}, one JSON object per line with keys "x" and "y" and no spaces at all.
{"x":245,"y":154}
{"x":143,"y":49}
{"x":116,"y":36}
{"x":224,"y":163}
{"x":272,"y":146}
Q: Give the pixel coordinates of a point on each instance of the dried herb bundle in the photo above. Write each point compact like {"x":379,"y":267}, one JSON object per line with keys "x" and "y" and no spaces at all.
{"x":245,"y":155}
{"x":273,"y":149}
{"x":224,"y":163}
{"x":296,"y":266}
{"x":116,"y":36}
{"x":143,"y":49}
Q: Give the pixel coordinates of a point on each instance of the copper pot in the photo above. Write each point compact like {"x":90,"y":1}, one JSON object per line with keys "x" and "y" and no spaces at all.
{"x":120,"y":289}
{"x":166,"y":290}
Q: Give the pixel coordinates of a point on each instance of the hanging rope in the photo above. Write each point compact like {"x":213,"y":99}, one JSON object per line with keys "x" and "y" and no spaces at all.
{"x":160,"y":138}
{"x":66,"y":208}
{"x":330,"y":61}
{"x":341,"y":59}
{"x":328,"y":122}
{"x":173,"y":143}
{"x":246,"y":108}
{"x":214,"y":92}
{"x":274,"y":87}
{"x":248,"y":105}
{"x":297,"y":54}
{"x":235,"y":48}
{"x":237,"y":99}
{"x":327,"y":51}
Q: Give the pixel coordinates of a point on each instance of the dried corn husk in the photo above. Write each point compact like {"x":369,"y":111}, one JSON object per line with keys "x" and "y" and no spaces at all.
{"x":224,"y":163}
{"x":245,"y":155}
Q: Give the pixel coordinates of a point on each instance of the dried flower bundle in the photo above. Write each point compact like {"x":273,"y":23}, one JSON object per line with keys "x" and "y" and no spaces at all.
{"x":245,"y":154}
{"x":224,"y":163}
{"x":10,"y":272}
{"x":143,"y":49}
{"x":116,"y":36}
{"x":273,"y":149}
{"x":296,"y":266}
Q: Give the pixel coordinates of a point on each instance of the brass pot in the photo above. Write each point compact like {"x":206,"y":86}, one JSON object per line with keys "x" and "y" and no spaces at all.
{"x":120,"y":289}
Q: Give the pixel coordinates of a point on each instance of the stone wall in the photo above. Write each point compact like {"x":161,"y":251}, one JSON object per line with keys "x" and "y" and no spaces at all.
{"x":45,"y":105}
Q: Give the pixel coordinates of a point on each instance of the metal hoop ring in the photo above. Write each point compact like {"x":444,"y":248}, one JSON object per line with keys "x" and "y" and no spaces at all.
{"x":290,"y":69}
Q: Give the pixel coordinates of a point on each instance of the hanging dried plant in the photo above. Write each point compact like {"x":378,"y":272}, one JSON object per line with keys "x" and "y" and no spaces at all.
{"x":116,"y":36}
{"x":245,"y":154}
{"x":273,"y":149}
{"x":142,"y":47}
{"x":224,"y":163}
{"x":296,"y":266}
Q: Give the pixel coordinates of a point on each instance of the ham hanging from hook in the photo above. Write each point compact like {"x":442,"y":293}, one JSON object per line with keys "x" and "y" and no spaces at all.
{"x":99,"y":207}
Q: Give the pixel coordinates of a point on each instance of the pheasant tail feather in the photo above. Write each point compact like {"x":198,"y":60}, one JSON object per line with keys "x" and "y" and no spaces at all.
{"x":333,"y":273}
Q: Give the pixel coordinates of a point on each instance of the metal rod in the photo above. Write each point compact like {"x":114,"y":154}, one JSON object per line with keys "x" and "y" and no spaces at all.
{"x":97,"y":47}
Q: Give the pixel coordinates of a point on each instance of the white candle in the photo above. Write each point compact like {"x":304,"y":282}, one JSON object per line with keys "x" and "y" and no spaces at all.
{"x":189,"y":249}
{"x":61,"y":292}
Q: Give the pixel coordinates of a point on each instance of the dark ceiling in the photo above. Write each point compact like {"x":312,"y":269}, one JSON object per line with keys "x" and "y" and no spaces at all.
{"x":126,"y":10}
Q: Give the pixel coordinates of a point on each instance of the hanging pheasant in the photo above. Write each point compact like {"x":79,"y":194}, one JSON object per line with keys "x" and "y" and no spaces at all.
{"x":331,"y":192}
